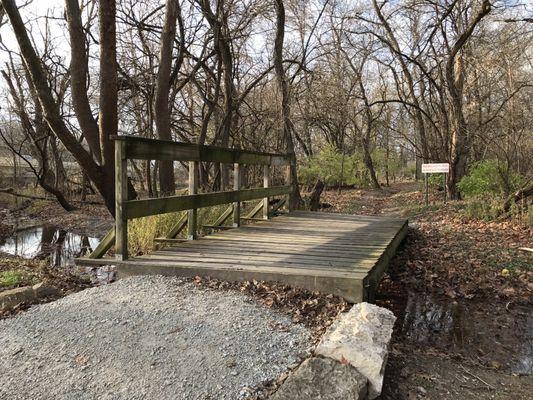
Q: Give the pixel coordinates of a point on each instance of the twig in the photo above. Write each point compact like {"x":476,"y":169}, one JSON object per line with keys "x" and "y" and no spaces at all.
{"x":477,"y":377}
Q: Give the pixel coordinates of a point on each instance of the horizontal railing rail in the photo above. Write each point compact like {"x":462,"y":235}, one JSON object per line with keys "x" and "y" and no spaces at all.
{"x":133,"y":147}
{"x":156,"y":206}
{"x":139,"y":148}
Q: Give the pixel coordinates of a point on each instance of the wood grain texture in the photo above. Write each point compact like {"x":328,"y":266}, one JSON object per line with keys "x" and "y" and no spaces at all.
{"x":334,"y":253}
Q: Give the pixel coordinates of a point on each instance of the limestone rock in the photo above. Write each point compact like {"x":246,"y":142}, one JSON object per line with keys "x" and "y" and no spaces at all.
{"x":10,"y":298}
{"x":323,"y":379}
{"x":361,"y":338}
{"x":43,"y":290}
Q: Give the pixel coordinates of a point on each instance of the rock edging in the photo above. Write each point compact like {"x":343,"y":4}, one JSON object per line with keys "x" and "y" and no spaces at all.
{"x":27,"y":294}
{"x":349,"y":361}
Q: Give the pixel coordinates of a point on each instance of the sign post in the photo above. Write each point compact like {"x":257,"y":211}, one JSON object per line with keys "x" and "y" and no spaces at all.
{"x":435,"y":168}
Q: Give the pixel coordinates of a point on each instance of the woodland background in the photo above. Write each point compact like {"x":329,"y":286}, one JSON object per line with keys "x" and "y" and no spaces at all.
{"x":362,"y":92}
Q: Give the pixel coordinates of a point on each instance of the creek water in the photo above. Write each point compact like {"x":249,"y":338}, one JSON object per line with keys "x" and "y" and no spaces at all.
{"x":492,"y":336}
{"x":59,"y":246}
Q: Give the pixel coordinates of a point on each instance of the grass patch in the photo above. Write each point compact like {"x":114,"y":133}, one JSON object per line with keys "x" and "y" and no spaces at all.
{"x":143,"y":231}
{"x":16,"y":278}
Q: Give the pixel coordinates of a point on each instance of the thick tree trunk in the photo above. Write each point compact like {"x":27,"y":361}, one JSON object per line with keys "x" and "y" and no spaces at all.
{"x":108,"y":99}
{"x":161,"y":101}
{"x":100,"y":176}
{"x":459,"y":148}
{"x":281,"y":79}
{"x":78,"y":78}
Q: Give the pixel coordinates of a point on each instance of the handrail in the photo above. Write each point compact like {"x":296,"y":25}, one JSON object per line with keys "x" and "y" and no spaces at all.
{"x":140,"y":148}
{"x":133,"y":147}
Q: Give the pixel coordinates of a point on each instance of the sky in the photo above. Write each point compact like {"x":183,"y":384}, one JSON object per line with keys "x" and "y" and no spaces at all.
{"x":30,"y":14}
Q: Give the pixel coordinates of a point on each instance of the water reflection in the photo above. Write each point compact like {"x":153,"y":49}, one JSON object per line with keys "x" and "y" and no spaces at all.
{"x":491,"y":335}
{"x":60,"y":246}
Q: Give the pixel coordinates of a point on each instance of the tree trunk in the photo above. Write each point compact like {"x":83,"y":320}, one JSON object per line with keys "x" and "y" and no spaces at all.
{"x":108,"y":98}
{"x":102,"y":177}
{"x":78,"y":78}
{"x":459,"y":149}
{"x":315,"y":195}
{"x":161,"y":101}
{"x":281,"y":79}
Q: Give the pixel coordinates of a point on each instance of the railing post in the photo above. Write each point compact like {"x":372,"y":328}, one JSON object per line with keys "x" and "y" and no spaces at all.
{"x":289,"y":183}
{"x":236,"y":186}
{"x":266,"y":183}
{"x":193,"y":189}
{"x":121,"y":195}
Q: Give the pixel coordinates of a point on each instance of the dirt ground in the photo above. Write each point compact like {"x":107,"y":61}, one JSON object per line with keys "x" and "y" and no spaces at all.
{"x":462,"y":292}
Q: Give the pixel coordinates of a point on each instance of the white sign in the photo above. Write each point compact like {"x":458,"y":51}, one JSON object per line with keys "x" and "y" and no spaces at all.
{"x":442,"y":168}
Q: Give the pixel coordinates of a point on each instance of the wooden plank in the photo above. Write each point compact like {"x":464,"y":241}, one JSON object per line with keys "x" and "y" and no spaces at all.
{"x":360,"y":266}
{"x":278,"y":205}
{"x":221,"y":227}
{"x":105,"y":244}
{"x":371,"y":282}
{"x":349,"y":287}
{"x":237,"y":204}
{"x":154,"y":206}
{"x":184,"y":264}
{"x":192,"y":218}
{"x":153,"y":149}
{"x":121,"y":196}
{"x":265,"y":248}
{"x":224,"y":216}
{"x":268,"y":258}
{"x":266,"y":184}
{"x":310,"y":240}
{"x":254,"y":211}
{"x":180,"y":225}
{"x":169,"y":240}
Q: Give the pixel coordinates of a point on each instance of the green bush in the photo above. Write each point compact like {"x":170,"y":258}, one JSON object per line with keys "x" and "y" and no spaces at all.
{"x":486,"y":178}
{"x":486,"y":208}
{"x":330,"y":166}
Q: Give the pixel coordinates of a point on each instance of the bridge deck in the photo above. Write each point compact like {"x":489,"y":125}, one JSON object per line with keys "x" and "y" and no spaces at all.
{"x":333,"y":253}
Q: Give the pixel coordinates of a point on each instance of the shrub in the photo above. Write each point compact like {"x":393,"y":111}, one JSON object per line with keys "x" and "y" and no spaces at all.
{"x":332,"y":167}
{"x":486,"y":178}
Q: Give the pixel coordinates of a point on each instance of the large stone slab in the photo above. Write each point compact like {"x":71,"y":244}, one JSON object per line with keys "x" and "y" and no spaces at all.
{"x":26,"y":294}
{"x":361,"y":338}
{"x":323,"y":379}
{"x":13,"y":297}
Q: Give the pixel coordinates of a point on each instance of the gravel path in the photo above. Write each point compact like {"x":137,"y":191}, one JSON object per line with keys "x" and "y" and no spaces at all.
{"x":147,"y":338}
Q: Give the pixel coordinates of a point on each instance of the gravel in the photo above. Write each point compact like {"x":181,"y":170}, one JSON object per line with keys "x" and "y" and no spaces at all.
{"x":147,"y":338}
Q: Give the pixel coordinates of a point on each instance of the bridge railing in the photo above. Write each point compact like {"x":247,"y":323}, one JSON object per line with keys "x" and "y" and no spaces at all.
{"x":132,"y":147}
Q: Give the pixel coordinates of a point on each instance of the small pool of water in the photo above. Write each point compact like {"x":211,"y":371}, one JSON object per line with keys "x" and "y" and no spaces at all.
{"x":492,"y":336}
{"x":41,"y":242}
{"x":58,"y":246}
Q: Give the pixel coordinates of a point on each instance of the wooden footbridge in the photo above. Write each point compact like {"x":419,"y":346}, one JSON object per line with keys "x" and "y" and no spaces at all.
{"x":333,"y":253}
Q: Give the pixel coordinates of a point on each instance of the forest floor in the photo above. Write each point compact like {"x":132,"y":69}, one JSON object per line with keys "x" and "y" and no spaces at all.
{"x":462,"y":292}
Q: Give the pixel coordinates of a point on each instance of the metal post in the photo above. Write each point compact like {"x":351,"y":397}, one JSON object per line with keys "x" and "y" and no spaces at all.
{"x":237,"y":204}
{"x":193,"y":189}
{"x":445,"y":187}
{"x":266,"y":184}
{"x":121,"y":196}
{"x":426,"y":182}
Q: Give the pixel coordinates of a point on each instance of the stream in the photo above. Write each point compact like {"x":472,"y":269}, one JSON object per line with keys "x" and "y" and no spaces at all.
{"x":58,"y":246}
{"x":498,"y":337}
